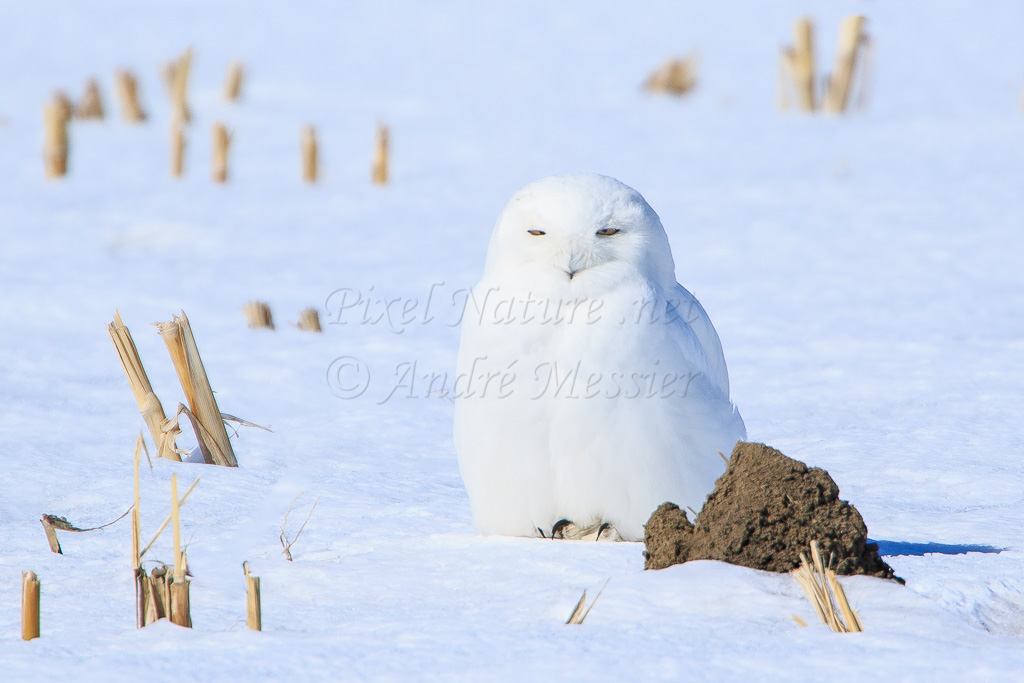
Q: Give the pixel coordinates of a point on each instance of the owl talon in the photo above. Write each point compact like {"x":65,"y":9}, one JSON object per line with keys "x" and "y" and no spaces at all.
{"x":608,"y":533}
{"x":561,"y":528}
{"x":602,"y":531}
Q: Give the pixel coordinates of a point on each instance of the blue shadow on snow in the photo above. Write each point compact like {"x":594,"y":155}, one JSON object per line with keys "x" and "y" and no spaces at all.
{"x":918,"y":549}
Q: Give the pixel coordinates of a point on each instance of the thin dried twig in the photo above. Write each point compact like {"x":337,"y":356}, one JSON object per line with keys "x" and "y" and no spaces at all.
{"x":577,"y":610}
{"x":287,"y":542}
{"x":579,"y":614}
{"x":62,"y":523}
{"x":243,"y":423}
{"x":167,"y":521}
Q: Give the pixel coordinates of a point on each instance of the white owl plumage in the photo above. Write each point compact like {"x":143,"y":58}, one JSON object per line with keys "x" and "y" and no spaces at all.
{"x":593,"y":386}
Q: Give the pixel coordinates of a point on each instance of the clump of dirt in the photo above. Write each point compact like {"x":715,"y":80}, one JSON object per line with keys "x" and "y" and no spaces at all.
{"x":765,"y":510}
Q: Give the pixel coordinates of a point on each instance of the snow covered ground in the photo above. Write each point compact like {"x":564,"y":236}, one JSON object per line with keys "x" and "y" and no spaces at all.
{"x":863,"y":273}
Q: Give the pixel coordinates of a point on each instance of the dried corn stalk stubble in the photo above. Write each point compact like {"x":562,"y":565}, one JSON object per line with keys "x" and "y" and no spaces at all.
{"x":161,"y":594}
{"x":233,"y":81}
{"x":128,"y":94}
{"x":309,"y":320}
{"x":310,"y":156}
{"x":56,"y":115}
{"x":675,"y":76}
{"x":202,"y":410}
{"x":176,"y":75}
{"x":380,"y":159}
{"x":258,"y":315}
{"x":177,"y":149}
{"x":253,"y":609}
{"x":221,"y":142}
{"x":29,"y":606}
{"x":163,"y":432}
{"x":91,"y":104}
{"x":840,"y":84}
{"x":797,"y":74}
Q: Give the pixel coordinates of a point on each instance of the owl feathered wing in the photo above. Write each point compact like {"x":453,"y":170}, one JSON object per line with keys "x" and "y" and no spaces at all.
{"x":691,"y":313}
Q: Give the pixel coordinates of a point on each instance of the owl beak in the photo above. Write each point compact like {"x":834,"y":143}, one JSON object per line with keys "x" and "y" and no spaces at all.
{"x":577,"y":263}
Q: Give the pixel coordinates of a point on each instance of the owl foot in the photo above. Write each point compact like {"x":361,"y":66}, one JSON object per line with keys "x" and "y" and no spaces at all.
{"x":602,"y":531}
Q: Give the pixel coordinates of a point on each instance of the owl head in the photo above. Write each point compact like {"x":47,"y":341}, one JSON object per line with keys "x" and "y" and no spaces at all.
{"x":584,"y":231}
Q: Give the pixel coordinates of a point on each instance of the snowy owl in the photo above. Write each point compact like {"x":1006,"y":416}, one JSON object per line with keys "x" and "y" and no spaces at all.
{"x":591,"y":387}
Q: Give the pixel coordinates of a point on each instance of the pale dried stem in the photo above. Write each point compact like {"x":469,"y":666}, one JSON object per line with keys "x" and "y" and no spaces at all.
{"x":787,"y":77}
{"x":825,"y":593}
{"x":310,"y":155}
{"x":840,"y":84}
{"x":179,"y":569}
{"x":233,"y":81}
{"x":579,"y":615}
{"x":381,"y":152}
{"x":167,"y":521}
{"x":136,"y":519}
{"x":577,"y":610}
{"x":596,"y":598}
{"x":55,"y":145}
{"x":803,"y":63}
{"x":177,"y":149}
{"x":176,"y":76}
{"x":221,"y":143}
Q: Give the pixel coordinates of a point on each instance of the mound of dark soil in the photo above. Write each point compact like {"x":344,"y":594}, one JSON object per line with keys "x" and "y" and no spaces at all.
{"x":765,"y":510}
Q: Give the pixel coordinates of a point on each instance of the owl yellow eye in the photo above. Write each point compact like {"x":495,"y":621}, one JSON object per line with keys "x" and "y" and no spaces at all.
{"x":607,"y":232}
{"x":536,"y":232}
